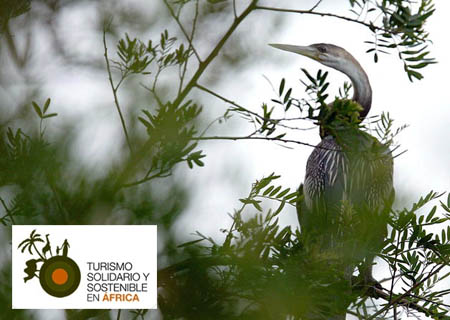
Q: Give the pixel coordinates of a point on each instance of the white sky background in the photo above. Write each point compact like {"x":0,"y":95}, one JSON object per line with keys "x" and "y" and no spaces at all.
{"x":424,"y":105}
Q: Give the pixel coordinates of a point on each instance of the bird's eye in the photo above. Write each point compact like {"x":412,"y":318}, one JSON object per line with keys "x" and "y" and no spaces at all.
{"x":322,"y":49}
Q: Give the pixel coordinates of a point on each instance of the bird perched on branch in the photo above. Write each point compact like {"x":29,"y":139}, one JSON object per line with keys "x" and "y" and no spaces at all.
{"x":348,"y":185}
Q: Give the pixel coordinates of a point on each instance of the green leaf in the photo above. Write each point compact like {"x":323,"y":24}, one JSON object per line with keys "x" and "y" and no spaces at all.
{"x":424,"y":240}
{"x":291,"y":195}
{"x":50,"y":115}
{"x":283,"y":193}
{"x":419,"y":65}
{"x":37,"y":109}
{"x":390,"y":249}
{"x":288,"y":95}
{"x":282,"y":204}
{"x":257,"y":206}
{"x":288,"y":105}
{"x":145,"y":122}
{"x":268,"y":190}
{"x":311,"y":78}
{"x":414,"y":74}
{"x":189,"y":149}
{"x":189,"y":243}
{"x":283,"y":233}
{"x":413,"y":236}
{"x":275,"y":191}
{"x":421,"y":218}
{"x":198,"y":162}
{"x":281,"y":89}
{"x":431,"y":214}
{"x":46,"y":105}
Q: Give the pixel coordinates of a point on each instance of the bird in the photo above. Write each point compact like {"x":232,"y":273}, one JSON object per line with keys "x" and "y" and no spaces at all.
{"x":348,"y":171}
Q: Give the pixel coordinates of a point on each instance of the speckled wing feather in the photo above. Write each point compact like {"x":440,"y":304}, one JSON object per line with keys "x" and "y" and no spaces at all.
{"x":357,"y":172}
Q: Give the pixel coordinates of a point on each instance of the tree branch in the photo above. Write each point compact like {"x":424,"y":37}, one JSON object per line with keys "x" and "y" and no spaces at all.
{"x":378,"y":293}
{"x":114,"y":90}
{"x":400,"y":299}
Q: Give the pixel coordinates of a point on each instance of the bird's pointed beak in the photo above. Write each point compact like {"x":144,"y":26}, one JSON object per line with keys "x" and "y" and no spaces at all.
{"x":306,"y":51}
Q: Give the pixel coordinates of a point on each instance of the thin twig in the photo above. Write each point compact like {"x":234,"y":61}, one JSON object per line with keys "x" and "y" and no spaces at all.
{"x":400,"y":298}
{"x":194,"y":23}
{"x":388,"y":278}
{"x":275,"y":121}
{"x":210,"y":125}
{"x":323,"y":14}
{"x":378,"y":293}
{"x":8,"y":212}
{"x":176,"y":18}
{"x":147,"y":178}
{"x":155,"y":95}
{"x":428,"y":300}
{"x":251,"y":137}
{"x":395,"y":270}
{"x":202,"y":66}
{"x":234,"y":9}
{"x":222,"y":98}
{"x":114,"y":90}
{"x":275,"y":199}
{"x":315,"y":6}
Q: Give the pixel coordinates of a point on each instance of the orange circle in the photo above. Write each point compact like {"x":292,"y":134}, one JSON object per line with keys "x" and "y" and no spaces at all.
{"x":59,"y":276}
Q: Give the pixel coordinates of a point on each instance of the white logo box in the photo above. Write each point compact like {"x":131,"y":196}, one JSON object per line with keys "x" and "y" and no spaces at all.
{"x":117,"y":263}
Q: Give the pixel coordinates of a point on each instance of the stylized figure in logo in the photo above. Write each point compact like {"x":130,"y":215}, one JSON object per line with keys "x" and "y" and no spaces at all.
{"x":59,"y":275}
{"x":65,"y":247}
{"x":30,"y":270}
{"x":47,"y":247}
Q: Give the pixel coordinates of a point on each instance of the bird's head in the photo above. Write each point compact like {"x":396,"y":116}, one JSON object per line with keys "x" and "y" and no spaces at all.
{"x":338,"y":58}
{"x":328,"y":54}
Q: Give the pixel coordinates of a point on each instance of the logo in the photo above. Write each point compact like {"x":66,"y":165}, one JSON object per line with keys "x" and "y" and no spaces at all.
{"x":58,"y":275}
{"x":84,"y":267}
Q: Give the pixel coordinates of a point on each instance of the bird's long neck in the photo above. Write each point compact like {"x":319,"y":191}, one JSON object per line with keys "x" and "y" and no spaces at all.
{"x":361,"y":86}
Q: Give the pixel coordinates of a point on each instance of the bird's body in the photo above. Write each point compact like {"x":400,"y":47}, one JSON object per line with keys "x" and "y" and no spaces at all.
{"x":359,"y":173}
{"x":348,"y":180}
